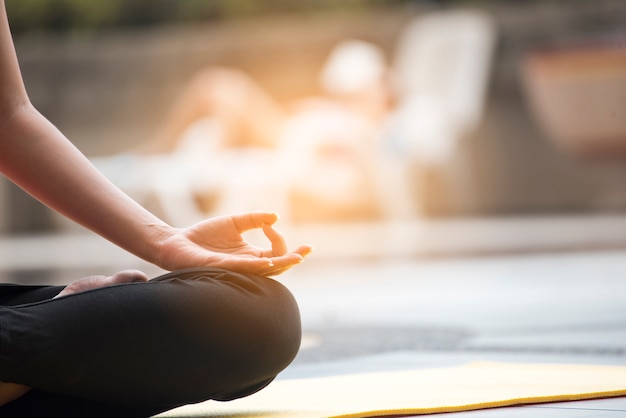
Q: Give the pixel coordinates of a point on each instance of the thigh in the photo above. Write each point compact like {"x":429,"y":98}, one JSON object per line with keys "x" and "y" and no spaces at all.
{"x":185,"y":337}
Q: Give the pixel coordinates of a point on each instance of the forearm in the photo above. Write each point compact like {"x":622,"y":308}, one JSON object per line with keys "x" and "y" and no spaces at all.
{"x":37,"y":157}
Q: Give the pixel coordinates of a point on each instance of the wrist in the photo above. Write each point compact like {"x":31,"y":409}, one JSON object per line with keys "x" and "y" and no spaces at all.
{"x":160,"y":244}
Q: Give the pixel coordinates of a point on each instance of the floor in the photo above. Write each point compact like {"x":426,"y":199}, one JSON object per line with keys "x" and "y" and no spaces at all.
{"x":431,"y":294}
{"x":556,"y":308}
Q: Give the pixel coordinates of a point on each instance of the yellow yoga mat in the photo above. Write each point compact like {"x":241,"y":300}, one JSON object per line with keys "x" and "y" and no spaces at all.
{"x":424,"y":391}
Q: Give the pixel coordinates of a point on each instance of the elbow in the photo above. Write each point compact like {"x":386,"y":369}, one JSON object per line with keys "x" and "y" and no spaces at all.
{"x":13,"y":117}
{"x":11,"y":108}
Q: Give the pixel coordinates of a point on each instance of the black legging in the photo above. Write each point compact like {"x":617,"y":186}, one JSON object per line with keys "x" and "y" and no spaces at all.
{"x":136,"y":349}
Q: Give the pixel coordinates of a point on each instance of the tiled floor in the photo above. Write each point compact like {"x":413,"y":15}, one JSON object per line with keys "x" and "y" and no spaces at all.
{"x":542,"y":290}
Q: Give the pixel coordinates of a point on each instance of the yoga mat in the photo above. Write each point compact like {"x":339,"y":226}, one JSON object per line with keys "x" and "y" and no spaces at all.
{"x":472,"y":386}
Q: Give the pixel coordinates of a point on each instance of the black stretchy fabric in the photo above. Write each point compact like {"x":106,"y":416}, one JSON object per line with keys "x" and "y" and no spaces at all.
{"x":137,"y":349}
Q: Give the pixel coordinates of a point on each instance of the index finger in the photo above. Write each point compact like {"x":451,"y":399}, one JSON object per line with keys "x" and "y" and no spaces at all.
{"x":279,"y":245}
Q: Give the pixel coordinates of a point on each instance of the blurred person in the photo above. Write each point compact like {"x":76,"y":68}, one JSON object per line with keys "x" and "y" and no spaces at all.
{"x":215,"y":327}
{"x":357,"y":151}
{"x":354,"y":79}
{"x":315,"y":157}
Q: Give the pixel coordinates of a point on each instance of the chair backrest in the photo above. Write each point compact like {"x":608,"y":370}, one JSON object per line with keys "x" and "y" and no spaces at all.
{"x":447,"y":56}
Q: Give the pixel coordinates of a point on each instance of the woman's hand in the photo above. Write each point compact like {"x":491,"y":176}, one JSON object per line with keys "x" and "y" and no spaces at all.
{"x":218,"y":242}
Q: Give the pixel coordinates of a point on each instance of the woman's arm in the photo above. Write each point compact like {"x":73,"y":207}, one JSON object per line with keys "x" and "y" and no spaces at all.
{"x":37,"y":157}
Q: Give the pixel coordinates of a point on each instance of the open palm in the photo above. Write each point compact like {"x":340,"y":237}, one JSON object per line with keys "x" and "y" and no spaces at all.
{"x":218,"y":242}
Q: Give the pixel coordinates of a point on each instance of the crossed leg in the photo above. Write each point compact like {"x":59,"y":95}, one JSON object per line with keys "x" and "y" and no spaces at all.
{"x":135,"y":349}
{"x":11,"y":391}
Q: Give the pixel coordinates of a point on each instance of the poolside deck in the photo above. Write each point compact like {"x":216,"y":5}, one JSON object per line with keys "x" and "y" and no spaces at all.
{"x":429,"y":294}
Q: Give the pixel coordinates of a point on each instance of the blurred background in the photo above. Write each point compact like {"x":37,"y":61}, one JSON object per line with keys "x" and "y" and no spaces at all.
{"x":434,"y":110}
{"x":459,"y":166}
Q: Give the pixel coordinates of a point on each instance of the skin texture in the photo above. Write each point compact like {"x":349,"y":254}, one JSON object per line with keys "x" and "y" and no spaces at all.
{"x":36,"y":156}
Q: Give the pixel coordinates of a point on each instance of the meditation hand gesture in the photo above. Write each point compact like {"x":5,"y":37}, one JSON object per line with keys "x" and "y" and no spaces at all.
{"x":218,"y":242}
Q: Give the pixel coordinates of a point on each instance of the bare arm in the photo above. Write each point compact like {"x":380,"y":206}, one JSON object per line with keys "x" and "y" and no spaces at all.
{"x":38,"y":157}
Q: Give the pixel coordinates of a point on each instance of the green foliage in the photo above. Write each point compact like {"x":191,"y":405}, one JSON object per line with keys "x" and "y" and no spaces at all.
{"x":63,"y":15}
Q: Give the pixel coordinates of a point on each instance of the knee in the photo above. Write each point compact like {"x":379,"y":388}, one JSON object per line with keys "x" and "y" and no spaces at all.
{"x":281,"y":336}
{"x":241,"y":330}
{"x":270,"y":340}
{"x":267,"y":328}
